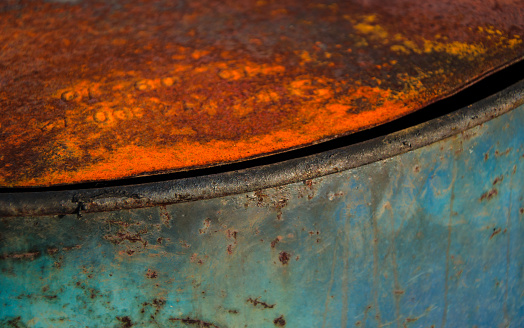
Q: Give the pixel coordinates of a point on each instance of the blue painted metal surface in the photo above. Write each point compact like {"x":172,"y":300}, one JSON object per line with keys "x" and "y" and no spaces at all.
{"x":429,"y":238}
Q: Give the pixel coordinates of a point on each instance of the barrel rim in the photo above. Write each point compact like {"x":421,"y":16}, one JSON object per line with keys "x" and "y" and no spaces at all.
{"x":39,"y":203}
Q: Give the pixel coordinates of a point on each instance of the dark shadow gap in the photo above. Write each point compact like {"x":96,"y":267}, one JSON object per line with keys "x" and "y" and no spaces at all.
{"x":482,"y":89}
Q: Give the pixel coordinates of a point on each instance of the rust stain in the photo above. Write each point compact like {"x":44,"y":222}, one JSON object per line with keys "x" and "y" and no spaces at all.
{"x":94,"y":90}
{"x":151,"y":274}
{"x":195,"y":322}
{"x":165,"y":217}
{"x":489,"y":194}
{"x":498,"y":179}
{"x":54,"y":250}
{"x":157,"y":304}
{"x":21,"y":256}
{"x":256,"y":302}
{"x":120,"y":237}
{"x":280,"y":321}
{"x":206,"y":224}
{"x":125,"y":322}
{"x":231,"y":234}
{"x":284,"y":257}
{"x":196,"y":259}
{"x":495,"y":232}
{"x":275,"y":241}
{"x":72,"y":247}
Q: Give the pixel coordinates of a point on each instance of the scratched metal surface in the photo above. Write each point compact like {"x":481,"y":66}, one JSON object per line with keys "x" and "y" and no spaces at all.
{"x":100,"y":90}
{"x":429,"y":238}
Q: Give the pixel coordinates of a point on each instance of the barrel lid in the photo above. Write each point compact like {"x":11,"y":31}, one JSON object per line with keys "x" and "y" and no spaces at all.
{"x":102,"y":90}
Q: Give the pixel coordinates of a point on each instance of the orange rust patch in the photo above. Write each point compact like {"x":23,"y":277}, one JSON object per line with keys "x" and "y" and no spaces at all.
{"x":95,"y":91}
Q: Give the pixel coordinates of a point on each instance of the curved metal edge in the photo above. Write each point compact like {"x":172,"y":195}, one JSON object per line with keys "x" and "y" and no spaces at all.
{"x":267,"y":176}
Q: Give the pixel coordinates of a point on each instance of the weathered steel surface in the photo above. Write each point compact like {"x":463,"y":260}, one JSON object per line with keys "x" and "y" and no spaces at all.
{"x":97,"y":90}
{"x":432,"y":237}
{"x":163,"y":192}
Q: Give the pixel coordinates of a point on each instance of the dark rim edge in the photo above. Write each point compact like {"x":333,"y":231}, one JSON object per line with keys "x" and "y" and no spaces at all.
{"x":265,"y":176}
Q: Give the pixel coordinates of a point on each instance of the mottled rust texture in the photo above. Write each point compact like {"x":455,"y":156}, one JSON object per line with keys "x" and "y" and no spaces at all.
{"x":96,"y":90}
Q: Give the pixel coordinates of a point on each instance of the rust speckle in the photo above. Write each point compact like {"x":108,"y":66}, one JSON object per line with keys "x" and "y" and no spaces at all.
{"x":68,"y":248}
{"x":398,"y":292}
{"x":196,"y":259}
{"x":120,"y":223}
{"x":21,"y":256}
{"x":93,"y":293}
{"x":275,"y":241}
{"x":125,"y":322}
{"x":52,"y":250}
{"x":256,"y":302}
{"x":195,"y":322}
{"x":495,"y":232}
{"x":489,"y":194}
{"x":408,"y":320}
{"x":521,"y":210}
{"x":260,"y":196}
{"x":151,"y":274}
{"x":157,"y":304}
{"x":284,"y":257}
{"x":498,"y":179}
{"x":165,"y":217}
{"x":281,"y":203}
{"x":16,"y":322}
{"x":206,"y":224}
{"x":280,"y":321}
{"x":504,"y":153}
{"x":232,"y":234}
{"x":120,"y":237}
{"x":309,"y":183}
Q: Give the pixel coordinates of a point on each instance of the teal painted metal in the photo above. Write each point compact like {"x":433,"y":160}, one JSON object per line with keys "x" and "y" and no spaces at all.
{"x":428,"y":238}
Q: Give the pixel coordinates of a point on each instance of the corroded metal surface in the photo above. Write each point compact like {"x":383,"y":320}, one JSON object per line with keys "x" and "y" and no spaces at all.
{"x":110,"y":198}
{"x":104,"y":90}
{"x":429,"y":238}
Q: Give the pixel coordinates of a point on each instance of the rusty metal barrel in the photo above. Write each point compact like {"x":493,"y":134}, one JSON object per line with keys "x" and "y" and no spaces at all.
{"x":261,"y":164}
